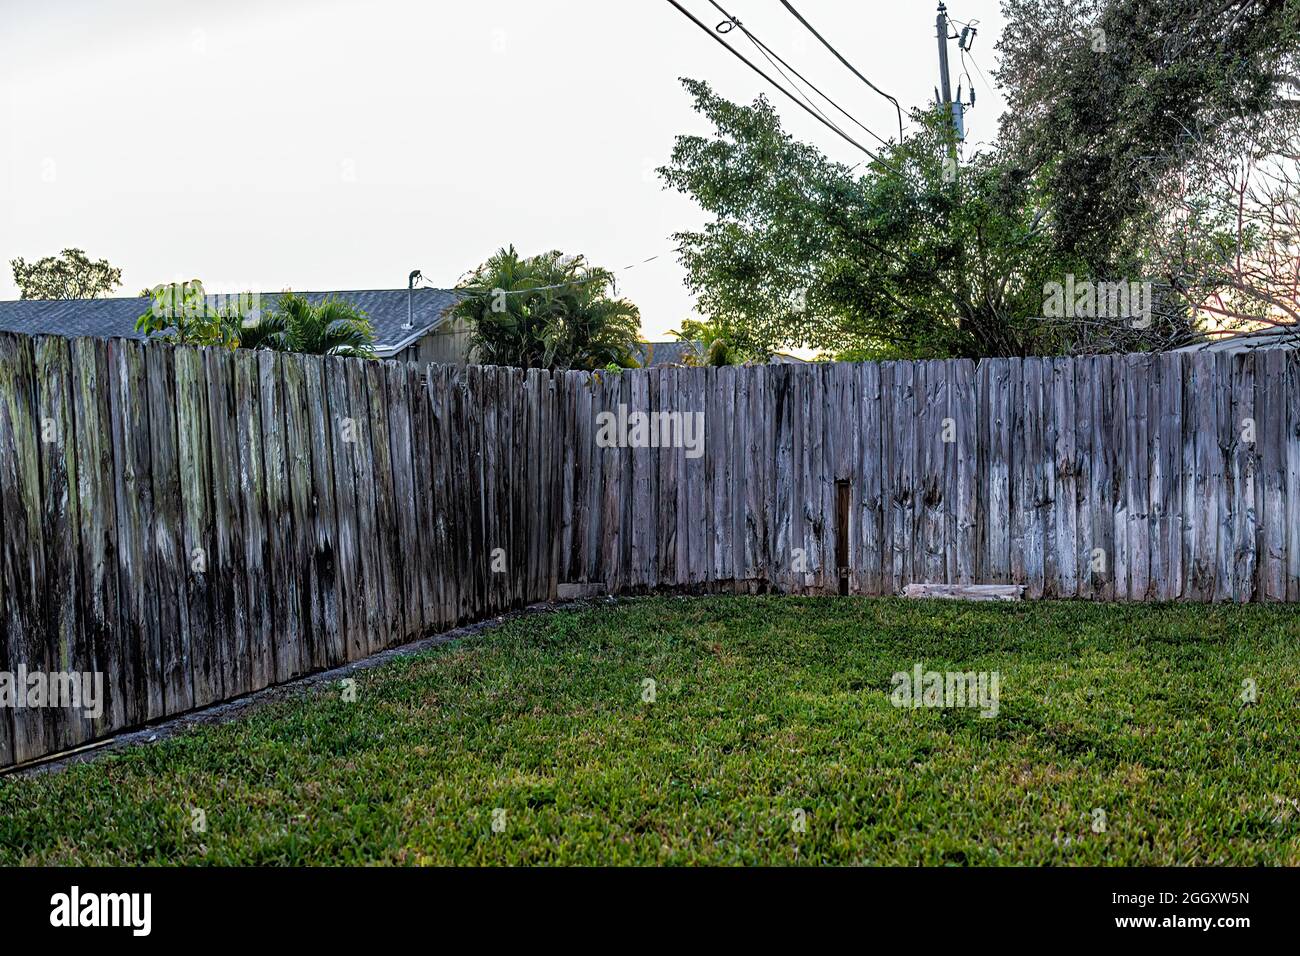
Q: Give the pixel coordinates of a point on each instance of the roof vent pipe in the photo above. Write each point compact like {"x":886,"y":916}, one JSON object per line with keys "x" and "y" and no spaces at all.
{"x":410,"y":297}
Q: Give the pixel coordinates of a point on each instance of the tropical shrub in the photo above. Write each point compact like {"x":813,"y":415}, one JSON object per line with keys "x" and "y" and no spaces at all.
{"x":547,"y":311}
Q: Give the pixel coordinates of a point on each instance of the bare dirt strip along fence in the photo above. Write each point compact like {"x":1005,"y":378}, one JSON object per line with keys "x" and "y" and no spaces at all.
{"x":197,"y":524}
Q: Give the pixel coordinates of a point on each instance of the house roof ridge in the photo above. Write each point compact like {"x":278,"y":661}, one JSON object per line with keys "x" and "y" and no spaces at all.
{"x":130,"y":298}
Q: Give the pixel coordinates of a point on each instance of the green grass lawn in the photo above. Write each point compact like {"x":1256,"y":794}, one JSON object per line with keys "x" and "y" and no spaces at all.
{"x":764,"y":707}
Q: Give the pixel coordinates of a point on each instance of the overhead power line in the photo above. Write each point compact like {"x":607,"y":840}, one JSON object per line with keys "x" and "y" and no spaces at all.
{"x":811,"y":112}
{"x":612,"y":275}
{"x":768,"y":52}
{"x":974,"y":62}
{"x":826,"y":43}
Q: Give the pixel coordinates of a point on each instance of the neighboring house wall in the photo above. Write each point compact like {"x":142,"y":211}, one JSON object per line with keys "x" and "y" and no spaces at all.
{"x":448,"y":344}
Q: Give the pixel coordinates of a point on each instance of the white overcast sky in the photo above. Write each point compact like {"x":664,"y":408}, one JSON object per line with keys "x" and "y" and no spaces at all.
{"x":273,"y":144}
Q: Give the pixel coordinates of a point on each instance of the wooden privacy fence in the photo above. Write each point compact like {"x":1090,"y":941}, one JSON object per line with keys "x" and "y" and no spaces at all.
{"x":198,"y":524}
{"x":1138,"y":477}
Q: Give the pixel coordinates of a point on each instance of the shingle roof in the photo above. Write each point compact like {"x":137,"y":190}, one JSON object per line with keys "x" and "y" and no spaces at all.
{"x":115,"y":318}
{"x":650,"y":354}
{"x":1281,"y":337}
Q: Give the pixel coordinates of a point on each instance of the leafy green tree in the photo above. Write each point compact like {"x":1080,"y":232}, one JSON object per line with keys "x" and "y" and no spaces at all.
{"x":181,"y":313}
{"x":1117,"y":104}
{"x":547,"y":311}
{"x":909,"y":256}
{"x":69,"y":275}
{"x":1122,"y":117}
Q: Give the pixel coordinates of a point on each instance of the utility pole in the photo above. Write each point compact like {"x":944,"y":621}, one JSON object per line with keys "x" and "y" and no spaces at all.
{"x":945,"y":82}
{"x":941,"y":28}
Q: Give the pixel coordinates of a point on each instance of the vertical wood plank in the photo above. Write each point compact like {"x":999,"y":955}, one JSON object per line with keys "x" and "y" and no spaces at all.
{"x":329,"y":641}
{"x":742,"y":468}
{"x":610,"y":488}
{"x":252,"y":489}
{"x":69,"y":649}
{"x":784,"y":397}
{"x":344,"y":434}
{"x":24,"y":732}
{"x":1102,"y":484}
{"x":196,"y":500}
{"x":1243,"y":468}
{"x":281,"y":553}
{"x":305,"y":599}
{"x":722,"y":420}
{"x":995,"y":436}
{"x":1119,"y":432}
{"x":496,"y":536}
{"x":595,"y":524}
{"x":896,"y":398}
{"x":638,"y":511}
{"x":931,"y":504}
{"x":1047,"y":477}
{"x":1066,"y":494}
{"x":1205,"y":504}
{"x":871,"y":498}
{"x":1167,"y":478}
{"x":98,"y":531}
{"x":405,"y":515}
{"x":386,"y":519}
{"x":845,"y":454}
{"x":423,"y":458}
{"x":6,"y":717}
{"x":964,"y":404}
{"x":697,"y":488}
{"x":950,"y":442}
{"x":666,"y":548}
{"x":442,"y":451}
{"x":226,"y":570}
{"x":1291,"y":433}
{"x":1137,"y":475}
{"x":559,"y":436}
{"x":767,"y":406}
{"x":1227,"y":436}
{"x":571,"y":476}
{"x":138,"y":627}
{"x":1271,"y":411}
{"x":822,"y":463}
{"x":583,"y":440}
{"x":1084,"y":477}
{"x":521,"y":454}
{"x":1033,"y":497}
{"x":1017,"y":483}
{"x":170,"y":561}
{"x":801,"y":520}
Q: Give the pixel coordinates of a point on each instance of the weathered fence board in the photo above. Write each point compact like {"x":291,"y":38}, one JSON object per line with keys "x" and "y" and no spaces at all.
{"x":252,"y":486}
{"x":98,"y":531}
{"x":305,"y":595}
{"x":24,"y":557}
{"x":283,"y":577}
{"x":138,"y":626}
{"x":1291,"y":430}
{"x":69,"y":648}
{"x":229,"y":588}
{"x":194,"y":524}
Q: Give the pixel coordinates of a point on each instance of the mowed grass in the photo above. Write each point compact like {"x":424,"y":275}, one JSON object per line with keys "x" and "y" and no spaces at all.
{"x":763,"y":707}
